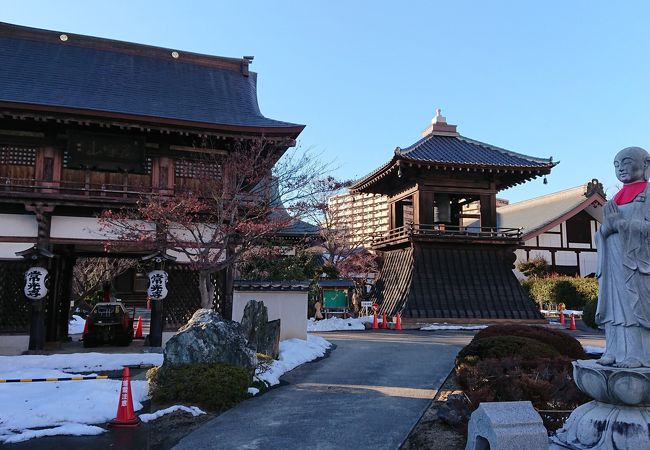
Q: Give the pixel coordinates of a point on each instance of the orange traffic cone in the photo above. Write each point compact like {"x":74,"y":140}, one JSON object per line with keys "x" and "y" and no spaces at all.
{"x":374,"y":321}
{"x":125,"y":415}
{"x":384,"y":322}
{"x":572,"y":323}
{"x":561,"y":316}
{"x":398,"y":321}
{"x":138,"y":329}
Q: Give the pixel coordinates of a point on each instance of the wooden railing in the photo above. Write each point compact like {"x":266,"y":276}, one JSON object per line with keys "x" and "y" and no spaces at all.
{"x":448,"y":231}
{"x":78,"y":189}
{"x":74,"y":188}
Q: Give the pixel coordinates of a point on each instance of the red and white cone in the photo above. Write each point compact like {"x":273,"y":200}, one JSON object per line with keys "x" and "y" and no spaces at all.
{"x":572,"y":323}
{"x":384,"y":321}
{"x":375,"y":325}
{"x":85,"y":331}
{"x":398,"y":321}
{"x":125,"y":415}
{"x":562,"y":317}
{"x":138,"y":329}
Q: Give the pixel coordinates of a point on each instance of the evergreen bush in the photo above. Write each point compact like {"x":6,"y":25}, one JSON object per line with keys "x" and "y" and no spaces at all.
{"x":589,"y":313}
{"x":505,"y":346}
{"x":574,"y":292}
{"x":214,"y":387}
{"x":563,"y":343}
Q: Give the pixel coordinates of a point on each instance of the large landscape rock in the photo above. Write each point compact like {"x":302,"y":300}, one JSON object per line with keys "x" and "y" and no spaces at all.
{"x":262,"y":334}
{"x":209,"y":338}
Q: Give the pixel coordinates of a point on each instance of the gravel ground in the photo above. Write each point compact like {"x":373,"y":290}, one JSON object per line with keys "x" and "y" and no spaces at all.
{"x":430,"y":432}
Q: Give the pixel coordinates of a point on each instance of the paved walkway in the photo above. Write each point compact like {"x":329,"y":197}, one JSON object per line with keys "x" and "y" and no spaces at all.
{"x":368,"y":394}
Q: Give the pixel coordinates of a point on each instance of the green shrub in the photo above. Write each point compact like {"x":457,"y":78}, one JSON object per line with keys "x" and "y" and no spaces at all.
{"x":504,"y":346}
{"x":563,"y":343}
{"x":534,"y":267}
{"x":589,"y":313}
{"x":214,"y":387}
{"x":574,"y":292}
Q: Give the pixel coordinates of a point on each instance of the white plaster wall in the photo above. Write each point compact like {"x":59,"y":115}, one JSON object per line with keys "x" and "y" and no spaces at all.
{"x":289,"y":307}
{"x":18,"y":225}
{"x":588,"y":263}
{"x":574,"y":245}
{"x":550,"y":240}
{"x":543,"y":253}
{"x":65,"y":227}
{"x":566,"y":259}
{"x":8,"y":249}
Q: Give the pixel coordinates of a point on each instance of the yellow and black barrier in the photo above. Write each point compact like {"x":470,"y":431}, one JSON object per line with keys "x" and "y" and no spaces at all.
{"x":37,"y":380}
{"x":79,"y":378}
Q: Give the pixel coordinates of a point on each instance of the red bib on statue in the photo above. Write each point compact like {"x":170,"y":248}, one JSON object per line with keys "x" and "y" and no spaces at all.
{"x":629,"y":192}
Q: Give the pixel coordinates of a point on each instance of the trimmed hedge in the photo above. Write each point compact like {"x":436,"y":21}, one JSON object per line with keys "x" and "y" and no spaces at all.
{"x":589,"y":313}
{"x":519,"y":362}
{"x":564,"y":344}
{"x":574,"y":292}
{"x":214,"y":387}
{"x":505,"y":346}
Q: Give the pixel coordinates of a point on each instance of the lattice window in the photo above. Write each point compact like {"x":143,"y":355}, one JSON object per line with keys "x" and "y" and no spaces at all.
{"x":14,"y":308}
{"x":188,"y":168}
{"x":17,"y":156}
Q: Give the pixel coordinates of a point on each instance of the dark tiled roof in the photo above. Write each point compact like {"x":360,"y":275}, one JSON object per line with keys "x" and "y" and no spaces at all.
{"x":335,"y":283}
{"x":100,"y":75}
{"x":299,"y":228}
{"x":458,"y":151}
{"x":463,"y":151}
{"x":431,"y":282}
{"x":265,"y":285}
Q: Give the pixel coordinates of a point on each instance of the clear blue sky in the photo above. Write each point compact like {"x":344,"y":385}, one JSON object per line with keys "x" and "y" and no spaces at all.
{"x":568,"y":79}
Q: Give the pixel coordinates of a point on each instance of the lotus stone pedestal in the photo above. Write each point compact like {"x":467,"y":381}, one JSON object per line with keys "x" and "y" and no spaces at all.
{"x":619,"y":416}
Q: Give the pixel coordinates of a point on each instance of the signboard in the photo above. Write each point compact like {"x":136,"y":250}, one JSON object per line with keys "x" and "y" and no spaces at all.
{"x":366,"y":304}
{"x":375,"y":306}
{"x":335,"y":299}
{"x":35,"y":279}
{"x":157,"y":284}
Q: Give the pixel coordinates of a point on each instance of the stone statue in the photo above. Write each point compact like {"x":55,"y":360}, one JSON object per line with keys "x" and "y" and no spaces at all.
{"x":623,"y":242}
{"x":619,"y":382}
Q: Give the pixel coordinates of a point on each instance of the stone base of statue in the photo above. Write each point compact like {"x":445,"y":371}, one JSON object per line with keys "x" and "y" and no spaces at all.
{"x":619,"y":416}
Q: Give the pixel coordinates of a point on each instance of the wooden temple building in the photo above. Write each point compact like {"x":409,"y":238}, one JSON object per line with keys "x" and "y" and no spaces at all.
{"x":435,"y":267}
{"x":88,"y":124}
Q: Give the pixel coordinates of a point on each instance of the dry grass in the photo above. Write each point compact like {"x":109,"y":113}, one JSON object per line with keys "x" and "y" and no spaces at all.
{"x":430,"y":432}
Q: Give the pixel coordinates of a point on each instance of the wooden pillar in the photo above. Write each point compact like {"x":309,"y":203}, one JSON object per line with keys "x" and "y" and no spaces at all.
{"x":69,"y":261}
{"x":423,"y":207}
{"x":489,"y":210}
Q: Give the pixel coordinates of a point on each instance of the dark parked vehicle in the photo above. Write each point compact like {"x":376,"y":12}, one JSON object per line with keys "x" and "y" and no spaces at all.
{"x":108,"y":323}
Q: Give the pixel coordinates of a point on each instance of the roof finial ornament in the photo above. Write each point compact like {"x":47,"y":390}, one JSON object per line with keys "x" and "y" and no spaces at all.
{"x":439,"y":118}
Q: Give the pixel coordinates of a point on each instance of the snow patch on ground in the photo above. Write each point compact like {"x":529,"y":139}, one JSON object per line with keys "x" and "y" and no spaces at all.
{"x":70,"y":429}
{"x":593,"y":349}
{"x":293,"y":352}
{"x":76,"y":362}
{"x":194,"y":410}
{"x":76,"y":325}
{"x":65,"y":405}
{"x":567,"y":312}
{"x":334,"y":324}
{"x":253,"y":391}
{"x":446,"y":326}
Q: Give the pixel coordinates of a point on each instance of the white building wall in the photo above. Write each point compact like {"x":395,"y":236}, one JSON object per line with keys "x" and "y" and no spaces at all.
{"x":18,"y":225}
{"x":588,"y":263}
{"x":288,"y":306}
{"x":550,"y":240}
